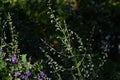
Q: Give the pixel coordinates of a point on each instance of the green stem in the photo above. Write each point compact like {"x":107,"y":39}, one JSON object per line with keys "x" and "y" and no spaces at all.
{"x":68,"y":44}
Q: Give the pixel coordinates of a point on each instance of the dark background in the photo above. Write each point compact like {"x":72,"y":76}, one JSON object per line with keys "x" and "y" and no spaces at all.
{"x":32,"y":22}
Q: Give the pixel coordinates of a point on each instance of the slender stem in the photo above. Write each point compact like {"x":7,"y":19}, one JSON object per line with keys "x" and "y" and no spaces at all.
{"x":68,"y":44}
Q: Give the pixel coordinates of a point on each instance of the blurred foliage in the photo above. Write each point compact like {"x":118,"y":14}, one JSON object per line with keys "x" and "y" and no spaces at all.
{"x":85,"y":14}
{"x":32,"y":22}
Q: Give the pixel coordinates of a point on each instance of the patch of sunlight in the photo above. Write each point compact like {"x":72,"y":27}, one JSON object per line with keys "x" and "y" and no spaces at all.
{"x":114,"y":3}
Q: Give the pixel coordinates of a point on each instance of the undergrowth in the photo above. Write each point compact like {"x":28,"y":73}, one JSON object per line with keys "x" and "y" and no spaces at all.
{"x":71,"y":60}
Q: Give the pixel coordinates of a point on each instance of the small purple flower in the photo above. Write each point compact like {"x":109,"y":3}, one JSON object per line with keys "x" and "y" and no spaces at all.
{"x":14,"y":59}
{"x":1,"y":50}
{"x":41,"y":74}
{"x":27,"y":73}
{"x":22,"y":77}
{"x":17,"y":73}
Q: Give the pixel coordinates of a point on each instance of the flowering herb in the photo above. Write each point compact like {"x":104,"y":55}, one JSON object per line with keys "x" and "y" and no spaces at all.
{"x":1,"y":50}
{"x":22,"y":77}
{"x":42,"y":75}
{"x":27,"y":73}
{"x":14,"y":59}
{"x":17,"y":73}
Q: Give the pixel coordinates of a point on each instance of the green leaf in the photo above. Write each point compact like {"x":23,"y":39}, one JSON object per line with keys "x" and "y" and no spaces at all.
{"x":24,"y":58}
{"x":27,"y":67}
{"x":10,"y":78}
{"x":18,"y":79}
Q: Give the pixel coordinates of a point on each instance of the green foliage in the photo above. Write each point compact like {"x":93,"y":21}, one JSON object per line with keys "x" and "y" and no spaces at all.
{"x":2,"y":66}
{"x":24,"y":58}
{"x":15,"y":66}
{"x":63,"y":54}
{"x":79,"y":59}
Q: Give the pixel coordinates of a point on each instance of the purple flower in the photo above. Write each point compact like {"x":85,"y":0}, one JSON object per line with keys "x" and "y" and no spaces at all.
{"x":14,"y":59}
{"x":27,"y":73}
{"x":22,"y":77}
{"x":17,"y":73}
{"x":1,"y":50}
{"x":41,"y":74}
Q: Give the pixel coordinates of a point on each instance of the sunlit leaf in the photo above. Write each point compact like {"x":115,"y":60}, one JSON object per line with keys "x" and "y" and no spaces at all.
{"x":24,"y":58}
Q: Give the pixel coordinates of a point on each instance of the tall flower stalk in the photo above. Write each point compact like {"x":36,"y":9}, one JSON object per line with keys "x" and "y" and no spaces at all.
{"x":81,"y":57}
